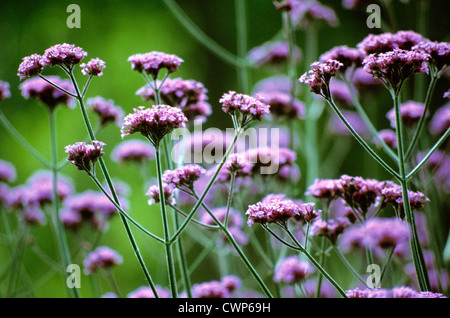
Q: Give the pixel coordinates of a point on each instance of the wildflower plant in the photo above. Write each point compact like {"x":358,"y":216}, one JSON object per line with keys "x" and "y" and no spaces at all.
{"x":282,"y":207}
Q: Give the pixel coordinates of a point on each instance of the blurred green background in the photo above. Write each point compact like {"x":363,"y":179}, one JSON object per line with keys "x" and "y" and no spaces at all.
{"x":114,"y":30}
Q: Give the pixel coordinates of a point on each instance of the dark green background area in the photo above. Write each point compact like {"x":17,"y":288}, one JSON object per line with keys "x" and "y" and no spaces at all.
{"x":114,"y":30}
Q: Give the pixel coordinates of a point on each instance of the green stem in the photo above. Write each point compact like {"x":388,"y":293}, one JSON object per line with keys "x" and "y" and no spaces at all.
{"x":368,"y":122}
{"x":361,"y":141}
{"x":201,"y":37}
{"x":348,"y":265}
{"x":316,"y":264}
{"x":419,"y":126}
{"x":56,"y":220}
{"x":111,"y":186}
{"x":419,"y":263}
{"x":14,"y":133}
{"x":168,"y":247}
{"x":241,"y":29}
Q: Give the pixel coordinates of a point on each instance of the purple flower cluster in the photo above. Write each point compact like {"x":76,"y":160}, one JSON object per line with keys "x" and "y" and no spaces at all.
{"x":30,"y":66}
{"x":304,"y":13}
{"x":7,"y":171}
{"x":392,"y":194}
{"x":147,"y":292}
{"x":318,"y":78}
{"x":39,"y":89}
{"x":291,"y":270}
{"x":438,"y":51}
{"x":4,"y":90}
{"x":105,"y":109}
{"x":41,"y":186}
{"x":394,"y":67}
{"x":90,"y":207}
{"x":348,"y":57}
{"x":102,"y":257}
{"x":378,"y":234}
{"x":272,"y":53}
{"x":385,"y":42}
{"x":84,"y":156}
{"x":250,"y":107}
{"x":63,"y":54}
{"x":94,"y":67}
{"x":331,"y":228}
{"x":216,"y":289}
{"x":134,"y":150}
{"x":278,"y":209}
{"x":151,"y":63}
{"x":410,"y":113}
{"x":153,"y":193}
{"x":189,"y":95}
{"x":389,"y":137}
{"x":283,"y":106}
{"x":441,"y":120}
{"x":396,"y":292}
{"x":184,"y":176}
{"x":153,"y":123}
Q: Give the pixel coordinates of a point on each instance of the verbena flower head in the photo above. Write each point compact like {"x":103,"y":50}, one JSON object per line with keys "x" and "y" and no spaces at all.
{"x":392,"y":194}
{"x":441,"y":120}
{"x":389,"y":137}
{"x":235,"y":222}
{"x":63,"y":54}
{"x":40,"y":188}
{"x":184,"y":176}
{"x":326,"y":189}
{"x":216,"y":289}
{"x":395,"y":292}
{"x":152,"y":62}
{"x":394,"y":67}
{"x":4,"y":90}
{"x":331,"y":229}
{"x":385,"y":42}
{"x":319,"y":76}
{"x":410,"y":113}
{"x":30,"y":66}
{"x":153,"y":123}
{"x":94,"y":67}
{"x":92,"y":207}
{"x":147,"y":292}
{"x":134,"y":150}
{"x":105,"y":109}
{"x":238,"y":163}
{"x":84,"y":156}
{"x":153,"y":193}
{"x":304,"y":13}
{"x":102,"y":257}
{"x":250,"y":107}
{"x":278,"y":211}
{"x":292,"y":270}
{"x":39,"y":89}
{"x":347,"y":56}
{"x":307,"y":211}
{"x":438,"y":51}
{"x":386,"y":233}
{"x":188,"y":95}
{"x":272,"y":53}
{"x":7,"y":171}
{"x":283,"y":106}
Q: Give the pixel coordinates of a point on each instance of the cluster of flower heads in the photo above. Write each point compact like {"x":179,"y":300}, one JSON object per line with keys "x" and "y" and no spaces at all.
{"x":64,"y":55}
{"x":39,"y":89}
{"x":292,"y":269}
{"x":4,"y":90}
{"x":133,"y":150}
{"x":152,"y":62}
{"x":84,"y":156}
{"x":361,"y":194}
{"x":31,"y":198}
{"x":102,"y":257}
{"x":272,"y":53}
{"x":106,"y":110}
{"x":153,"y":123}
{"x":410,"y":113}
{"x":396,"y":292}
{"x":304,"y":13}
{"x":318,"y":78}
{"x":248,"y":106}
{"x":88,"y":207}
{"x":275,"y":209}
{"x":189,"y":95}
